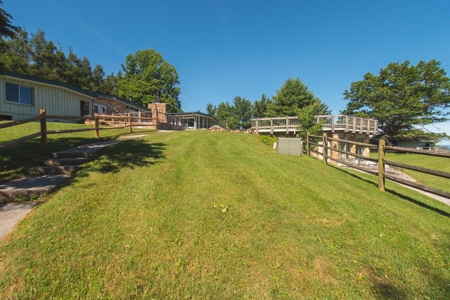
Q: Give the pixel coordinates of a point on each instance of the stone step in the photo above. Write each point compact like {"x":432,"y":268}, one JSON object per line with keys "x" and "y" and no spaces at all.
{"x":72,"y":154}
{"x":66,"y":161}
{"x":31,"y":186}
{"x":53,"y":170}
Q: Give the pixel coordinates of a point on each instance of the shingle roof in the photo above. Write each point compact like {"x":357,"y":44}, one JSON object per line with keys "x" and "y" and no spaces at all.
{"x":119,"y":99}
{"x":49,"y":82}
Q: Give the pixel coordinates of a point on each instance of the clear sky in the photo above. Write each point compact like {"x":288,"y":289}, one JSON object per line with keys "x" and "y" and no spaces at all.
{"x":227,"y":48}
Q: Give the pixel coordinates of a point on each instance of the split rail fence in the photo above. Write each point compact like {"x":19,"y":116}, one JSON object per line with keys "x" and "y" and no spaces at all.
{"x":322,"y":142}
{"x":128,"y":121}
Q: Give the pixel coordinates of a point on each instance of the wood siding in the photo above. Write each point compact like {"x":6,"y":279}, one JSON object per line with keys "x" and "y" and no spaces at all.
{"x":55,"y":99}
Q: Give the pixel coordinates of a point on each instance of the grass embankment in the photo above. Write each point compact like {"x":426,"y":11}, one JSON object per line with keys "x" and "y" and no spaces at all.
{"x":424,"y":161}
{"x":215,"y":215}
{"x":15,"y":161}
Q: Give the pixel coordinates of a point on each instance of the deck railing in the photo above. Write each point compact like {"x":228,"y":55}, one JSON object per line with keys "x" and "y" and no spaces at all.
{"x":328,"y":122}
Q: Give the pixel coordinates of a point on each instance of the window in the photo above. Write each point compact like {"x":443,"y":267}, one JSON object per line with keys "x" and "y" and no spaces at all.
{"x":100,"y":109}
{"x":84,"y":108}
{"x":19,"y":94}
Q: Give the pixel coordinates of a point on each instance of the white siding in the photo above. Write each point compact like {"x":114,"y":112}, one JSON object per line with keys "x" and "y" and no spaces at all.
{"x":54,"y":99}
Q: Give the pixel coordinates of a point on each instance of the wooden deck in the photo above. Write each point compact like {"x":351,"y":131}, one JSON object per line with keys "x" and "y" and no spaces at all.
{"x":331,"y":123}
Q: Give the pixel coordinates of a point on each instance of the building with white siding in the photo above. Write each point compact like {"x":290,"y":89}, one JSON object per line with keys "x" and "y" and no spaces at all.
{"x":23,"y":96}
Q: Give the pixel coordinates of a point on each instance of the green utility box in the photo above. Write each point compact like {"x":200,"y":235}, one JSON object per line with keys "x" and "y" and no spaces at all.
{"x":289,"y":146}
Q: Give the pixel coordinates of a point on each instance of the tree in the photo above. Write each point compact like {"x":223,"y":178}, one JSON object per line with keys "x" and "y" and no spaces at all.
{"x":7,"y":30}
{"x":306,"y":119}
{"x":46,"y":60}
{"x":98,"y":79}
{"x":260,"y":106}
{"x":17,"y":57}
{"x":292,"y":96}
{"x":403,"y":99}
{"x":146,"y":72}
{"x":225,"y":115}
{"x":211,"y":110}
{"x":242,"y":113}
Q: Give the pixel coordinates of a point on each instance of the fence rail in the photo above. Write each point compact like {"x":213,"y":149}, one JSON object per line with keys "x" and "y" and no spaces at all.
{"x":43,"y":118}
{"x":326,"y":153}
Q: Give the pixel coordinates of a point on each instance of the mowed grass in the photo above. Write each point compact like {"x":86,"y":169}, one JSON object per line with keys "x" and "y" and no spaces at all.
{"x":16,"y":160}
{"x":424,"y":161}
{"x":217,"y":215}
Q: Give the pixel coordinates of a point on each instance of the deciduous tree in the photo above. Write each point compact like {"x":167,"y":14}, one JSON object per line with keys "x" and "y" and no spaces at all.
{"x":146,"y":72}
{"x":403,"y":98}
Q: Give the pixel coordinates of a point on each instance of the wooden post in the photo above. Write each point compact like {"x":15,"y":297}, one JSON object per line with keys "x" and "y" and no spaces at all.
{"x":157,"y":119}
{"x":129,"y":120}
{"x":97,"y":133}
{"x":307,"y":143}
{"x":332,"y":123}
{"x":324,"y":148}
{"x":381,"y":180}
{"x":43,"y":115}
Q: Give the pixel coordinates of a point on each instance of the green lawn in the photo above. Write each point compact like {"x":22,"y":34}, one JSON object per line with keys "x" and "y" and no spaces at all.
{"x":425,"y":161}
{"x":15,"y":161}
{"x":218,"y":215}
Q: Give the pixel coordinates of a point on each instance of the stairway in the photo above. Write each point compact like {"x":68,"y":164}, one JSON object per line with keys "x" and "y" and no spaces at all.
{"x":62,"y":163}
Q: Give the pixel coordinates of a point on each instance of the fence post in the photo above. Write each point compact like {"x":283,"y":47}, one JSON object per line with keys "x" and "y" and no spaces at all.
{"x":157,"y":118}
{"x":307,"y":143}
{"x":97,"y":133}
{"x":324,"y":148}
{"x":381,"y":180}
{"x":129,"y":119}
{"x":43,"y":115}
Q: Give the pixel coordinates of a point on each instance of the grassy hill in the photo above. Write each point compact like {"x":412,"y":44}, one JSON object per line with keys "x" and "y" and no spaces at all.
{"x":216,"y":215}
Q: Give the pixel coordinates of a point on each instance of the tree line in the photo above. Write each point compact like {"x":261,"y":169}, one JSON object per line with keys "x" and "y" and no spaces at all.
{"x":141,"y":77}
{"x":292,"y":99}
{"x":404,"y":98}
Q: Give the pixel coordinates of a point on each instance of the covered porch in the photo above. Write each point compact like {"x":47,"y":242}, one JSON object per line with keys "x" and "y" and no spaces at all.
{"x":191,"y":121}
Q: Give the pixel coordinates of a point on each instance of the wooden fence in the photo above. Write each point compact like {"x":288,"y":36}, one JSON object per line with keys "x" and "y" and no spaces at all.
{"x":43,"y":118}
{"x":322,"y":142}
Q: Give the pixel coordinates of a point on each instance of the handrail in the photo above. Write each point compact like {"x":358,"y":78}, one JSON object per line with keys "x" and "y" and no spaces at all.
{"x":328,"y":122}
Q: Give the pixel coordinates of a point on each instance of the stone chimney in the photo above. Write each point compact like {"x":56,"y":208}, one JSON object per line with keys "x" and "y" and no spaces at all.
{"x":159,"y":110}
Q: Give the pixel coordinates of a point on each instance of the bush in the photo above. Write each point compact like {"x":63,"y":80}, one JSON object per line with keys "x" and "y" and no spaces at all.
{"x":268,"y":139}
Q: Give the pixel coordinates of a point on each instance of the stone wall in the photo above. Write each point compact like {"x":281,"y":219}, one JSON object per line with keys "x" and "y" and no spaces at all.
{"x":159,"y":110}
{"x":355,"y":137}
{"x":112,"y":107}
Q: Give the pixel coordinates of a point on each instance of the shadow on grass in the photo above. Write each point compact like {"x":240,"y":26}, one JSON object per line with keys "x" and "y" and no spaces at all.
{"x":16,"y":161}
{"x":125,"y":154}
{"x":404,"y":197}
{"x":128,"y":154}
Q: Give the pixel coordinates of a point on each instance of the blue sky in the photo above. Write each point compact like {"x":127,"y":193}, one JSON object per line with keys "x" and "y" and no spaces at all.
{"x":228,"y":48}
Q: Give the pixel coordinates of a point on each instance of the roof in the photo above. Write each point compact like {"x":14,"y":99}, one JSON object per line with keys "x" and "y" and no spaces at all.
{"x":49,"y":82}
{"x":119,"y":99}
{"x":192,"y":113}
